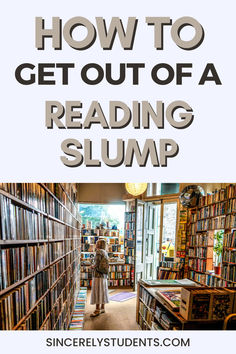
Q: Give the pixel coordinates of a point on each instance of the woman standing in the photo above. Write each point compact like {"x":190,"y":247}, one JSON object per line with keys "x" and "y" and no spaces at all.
{"x":99,"y":292}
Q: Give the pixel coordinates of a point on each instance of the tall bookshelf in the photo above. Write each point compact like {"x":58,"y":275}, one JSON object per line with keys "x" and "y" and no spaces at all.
{"x":39,"y":255}
{"x":130,"y":241}
{"x":181,"y":239}
{"x":229,"y":243}
{"x":119,"y":272}
{"x":176,"y":269}
{"x":216,"y":211}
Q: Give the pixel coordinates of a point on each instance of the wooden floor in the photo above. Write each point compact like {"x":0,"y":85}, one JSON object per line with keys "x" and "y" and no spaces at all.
{"x":118,"y":316}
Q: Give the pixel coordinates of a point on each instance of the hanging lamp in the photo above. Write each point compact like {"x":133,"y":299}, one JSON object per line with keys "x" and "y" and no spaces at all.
{"x":136,"y":189}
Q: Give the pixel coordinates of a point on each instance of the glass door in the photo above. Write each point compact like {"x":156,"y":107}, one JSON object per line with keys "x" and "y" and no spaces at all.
{"x":158,"y":226}
{"x":168,"y":234}
{"x":160,"y":221}
{"x":139,"y":266}
{"x":151,"y":239}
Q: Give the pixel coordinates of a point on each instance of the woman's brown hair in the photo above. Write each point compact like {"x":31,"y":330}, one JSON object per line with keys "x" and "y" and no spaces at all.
{"x":101,"y":244}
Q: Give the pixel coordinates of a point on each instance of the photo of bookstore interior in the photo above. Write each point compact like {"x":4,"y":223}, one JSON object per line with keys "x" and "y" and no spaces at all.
{"x":117,"y":256}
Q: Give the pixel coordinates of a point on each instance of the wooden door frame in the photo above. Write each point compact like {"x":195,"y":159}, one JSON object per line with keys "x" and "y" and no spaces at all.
{"x":161,"y":200}
{"x":138,"y":201}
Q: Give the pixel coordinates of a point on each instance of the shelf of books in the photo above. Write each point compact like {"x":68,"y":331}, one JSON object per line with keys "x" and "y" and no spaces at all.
{"x":152,"y":314}
{"x":170,"y":270}
{"x":129,"y":241}
{"x":119,"y":272}
{"x":176,"y":269}
{"x":39,"y":255}
{"x":216,"y":211}
{"x":182,"y":305}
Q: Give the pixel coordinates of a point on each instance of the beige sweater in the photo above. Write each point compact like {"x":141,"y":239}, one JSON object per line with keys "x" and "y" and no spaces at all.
{"x":98,"y":257}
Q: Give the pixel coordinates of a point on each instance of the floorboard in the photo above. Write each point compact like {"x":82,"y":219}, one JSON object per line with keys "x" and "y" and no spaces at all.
{"x":118,"y":316}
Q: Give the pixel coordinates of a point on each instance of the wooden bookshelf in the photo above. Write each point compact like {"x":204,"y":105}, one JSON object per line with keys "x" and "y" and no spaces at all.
{"x":216,"y":211}
{"x":40,"y":255}
{"x":119,"y":275}
{"x":119,"y":272}
{"x":130,"y":242}
{"x":181,"y":235}
{"x":18,"y":325}
{"x":200,"y":251}
{"x":170,"y":272}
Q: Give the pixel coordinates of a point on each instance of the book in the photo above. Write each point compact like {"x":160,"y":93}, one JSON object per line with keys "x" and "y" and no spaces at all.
{"x":171,"y":296}
{"x":221,"y":306}
{"x":200,"y":306}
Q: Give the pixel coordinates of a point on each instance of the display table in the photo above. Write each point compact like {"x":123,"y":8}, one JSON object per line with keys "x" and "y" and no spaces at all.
{"x":154,"y":313}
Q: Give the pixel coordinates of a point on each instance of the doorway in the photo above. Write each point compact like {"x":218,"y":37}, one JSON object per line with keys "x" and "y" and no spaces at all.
{"x":160,"y":223}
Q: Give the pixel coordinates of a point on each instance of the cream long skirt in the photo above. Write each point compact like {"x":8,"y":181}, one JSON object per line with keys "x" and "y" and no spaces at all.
{"x":99,"y":292}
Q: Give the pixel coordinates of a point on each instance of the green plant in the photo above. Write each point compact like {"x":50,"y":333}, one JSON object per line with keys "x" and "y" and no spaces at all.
{"x":218,"y":245}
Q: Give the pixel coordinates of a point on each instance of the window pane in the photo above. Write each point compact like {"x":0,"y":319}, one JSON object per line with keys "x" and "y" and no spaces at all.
{"x":149,"y":190}
{"x":169,"y":230}
{"x":158,"y":221}
{"x":169,"y":188}
{"x":158,"y":188}
{"x":162,"y":189}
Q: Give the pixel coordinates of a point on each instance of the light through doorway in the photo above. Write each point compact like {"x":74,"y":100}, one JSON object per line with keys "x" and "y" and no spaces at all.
{"x":159,"y":235}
